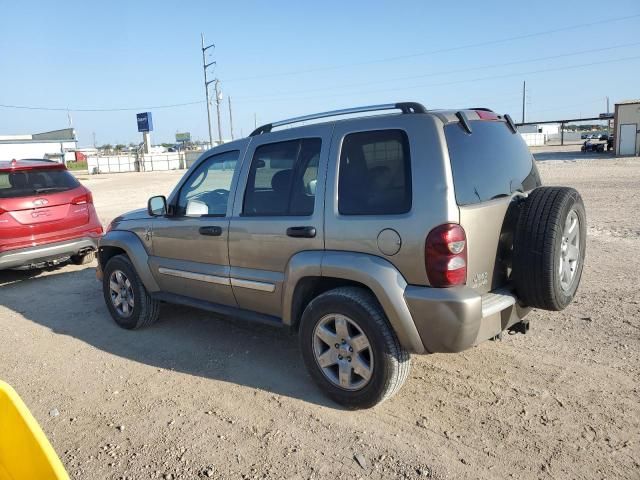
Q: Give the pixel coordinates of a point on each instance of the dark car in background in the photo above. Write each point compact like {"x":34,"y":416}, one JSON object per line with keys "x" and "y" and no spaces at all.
{"x":46,"y":216}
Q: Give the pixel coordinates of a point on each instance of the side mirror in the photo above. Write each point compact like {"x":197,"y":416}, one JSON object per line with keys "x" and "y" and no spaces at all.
{"x":157,"y":206}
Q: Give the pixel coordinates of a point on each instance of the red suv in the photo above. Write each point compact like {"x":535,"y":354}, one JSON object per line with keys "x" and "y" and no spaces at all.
{"x":46,"y":216}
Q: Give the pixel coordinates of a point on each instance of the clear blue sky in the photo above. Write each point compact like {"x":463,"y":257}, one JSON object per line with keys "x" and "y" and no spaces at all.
{"x":130,"y":54}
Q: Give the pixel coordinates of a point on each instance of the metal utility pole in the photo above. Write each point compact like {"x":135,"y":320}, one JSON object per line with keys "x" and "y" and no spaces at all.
{"x":608,"y":120}
{"x":230,"y":118}
{"x":524,"y":96}
{"x":216,"y":85}
{"x":205,"y":65}
{"x":255,"y":120}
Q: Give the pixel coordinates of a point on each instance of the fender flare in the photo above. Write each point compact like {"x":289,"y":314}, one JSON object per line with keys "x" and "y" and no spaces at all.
{"x":378,"y":274}
{"x":133,"y":247}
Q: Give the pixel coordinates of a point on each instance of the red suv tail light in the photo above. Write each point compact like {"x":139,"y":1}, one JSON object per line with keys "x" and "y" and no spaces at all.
{"x":2,"y":211}
{"x":82,"y":199}
{"x":446,"y":256}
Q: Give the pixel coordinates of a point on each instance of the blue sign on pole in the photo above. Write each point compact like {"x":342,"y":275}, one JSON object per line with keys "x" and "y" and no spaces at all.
{"x":145,"y":122}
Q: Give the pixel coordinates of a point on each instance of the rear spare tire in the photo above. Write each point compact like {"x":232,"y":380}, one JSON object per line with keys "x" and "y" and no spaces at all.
{"x":549,"y":247}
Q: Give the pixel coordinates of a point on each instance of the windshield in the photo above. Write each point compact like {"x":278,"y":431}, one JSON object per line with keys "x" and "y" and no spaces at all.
{"x":489,"y":163}
{"x":23,"y":183}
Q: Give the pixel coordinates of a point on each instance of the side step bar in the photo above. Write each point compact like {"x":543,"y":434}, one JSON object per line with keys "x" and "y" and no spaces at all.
{"x":222,"y":310}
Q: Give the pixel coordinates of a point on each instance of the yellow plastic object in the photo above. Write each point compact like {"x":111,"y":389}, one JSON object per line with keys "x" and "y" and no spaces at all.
{"x":25,"y":452}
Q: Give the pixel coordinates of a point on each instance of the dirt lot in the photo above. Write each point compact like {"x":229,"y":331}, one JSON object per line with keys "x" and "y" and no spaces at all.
{"x":199,"y":397}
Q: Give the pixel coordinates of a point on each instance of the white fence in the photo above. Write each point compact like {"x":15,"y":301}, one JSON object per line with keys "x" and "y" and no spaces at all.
{"x":534,"y":139}
{"x":111,"y":164}
{"x":141,"y":163}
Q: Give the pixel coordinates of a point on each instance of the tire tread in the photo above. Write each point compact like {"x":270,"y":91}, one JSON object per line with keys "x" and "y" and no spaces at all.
{"x":537,"y":231}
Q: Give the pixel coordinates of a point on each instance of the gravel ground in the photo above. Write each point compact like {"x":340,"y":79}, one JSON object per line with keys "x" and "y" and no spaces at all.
{"x":199,"y":397}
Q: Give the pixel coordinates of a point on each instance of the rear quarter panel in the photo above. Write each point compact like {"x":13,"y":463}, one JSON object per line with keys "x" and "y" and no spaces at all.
{"x":433,"y":197}
{"x":489,"y":231}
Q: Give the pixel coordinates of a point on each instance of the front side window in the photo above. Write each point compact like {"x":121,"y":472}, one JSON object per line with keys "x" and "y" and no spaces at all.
{"x":206,"y":192}
{"x":375,"y":173}
{"x":283,"y":178}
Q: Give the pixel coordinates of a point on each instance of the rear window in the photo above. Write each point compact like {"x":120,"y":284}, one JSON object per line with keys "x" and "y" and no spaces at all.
{"x":24,"y":183}
{"x":489,"y":163}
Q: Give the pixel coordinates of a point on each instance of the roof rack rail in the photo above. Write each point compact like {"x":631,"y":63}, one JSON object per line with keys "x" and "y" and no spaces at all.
{"x":404,"y":107}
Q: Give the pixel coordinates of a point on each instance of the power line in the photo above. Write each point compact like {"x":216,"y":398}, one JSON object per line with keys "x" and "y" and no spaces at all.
{"x":562,"y":107}
{"x":434,"y":52}
{"x":455,"y":82}
{"x":446,"y":72}
{"x":93,"y":109}
{"x":156,"y":107}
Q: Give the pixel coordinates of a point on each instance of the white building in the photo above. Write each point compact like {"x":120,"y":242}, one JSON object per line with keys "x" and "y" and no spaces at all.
{"x":545,"y":128}
{"x":51,"y":145}
{"x":627,"y":127}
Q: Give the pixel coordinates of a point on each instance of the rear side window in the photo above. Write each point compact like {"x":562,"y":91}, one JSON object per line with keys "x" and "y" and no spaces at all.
{"x":283,"y":178}
{"x":24,"y":183}
{"x":375,"y":173}
{"x":489,"y":163}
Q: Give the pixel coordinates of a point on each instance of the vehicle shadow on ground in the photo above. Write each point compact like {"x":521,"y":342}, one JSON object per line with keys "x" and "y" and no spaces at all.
{"x":186,"y":340}
{"x":7,"y":277}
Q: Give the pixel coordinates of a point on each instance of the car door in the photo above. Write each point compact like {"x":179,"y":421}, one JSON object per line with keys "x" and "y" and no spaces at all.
{"x":278,"y":212}
{"x":190,"y":256}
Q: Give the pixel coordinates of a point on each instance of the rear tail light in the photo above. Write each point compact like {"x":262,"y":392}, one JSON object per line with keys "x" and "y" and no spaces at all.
{"x":446,"y":256}
{"x":2,"y":211}
{"x":82,"y":199}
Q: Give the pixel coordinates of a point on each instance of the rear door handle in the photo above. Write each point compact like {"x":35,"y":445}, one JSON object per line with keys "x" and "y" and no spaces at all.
{"x":301,"y":232}
{"x":213,"y":231}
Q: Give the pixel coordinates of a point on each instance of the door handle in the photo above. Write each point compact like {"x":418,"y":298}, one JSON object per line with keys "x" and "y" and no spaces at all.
{"x":210,"y":231}
{"x":301,"y":232}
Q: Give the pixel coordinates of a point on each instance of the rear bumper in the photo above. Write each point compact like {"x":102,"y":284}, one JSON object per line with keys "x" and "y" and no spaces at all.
{"x":454,"y":319}
{"x":44,"y":253}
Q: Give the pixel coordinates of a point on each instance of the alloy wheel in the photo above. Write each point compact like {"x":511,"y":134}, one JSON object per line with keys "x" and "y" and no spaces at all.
{"x":121,"y":293}
{"x":343,"y":352}
{"x":569,"y":251}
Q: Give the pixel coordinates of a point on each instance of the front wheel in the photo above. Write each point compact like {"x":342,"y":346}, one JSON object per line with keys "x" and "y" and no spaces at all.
{"x":128,"y":301}
{"x":350,"y":349}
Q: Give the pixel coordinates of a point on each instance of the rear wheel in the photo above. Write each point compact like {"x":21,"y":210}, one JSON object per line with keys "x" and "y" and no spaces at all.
{"x":350,"y":349}
{"x":83,"y":259}
{"x":127,"y":299}
{"x":549,"y":247}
